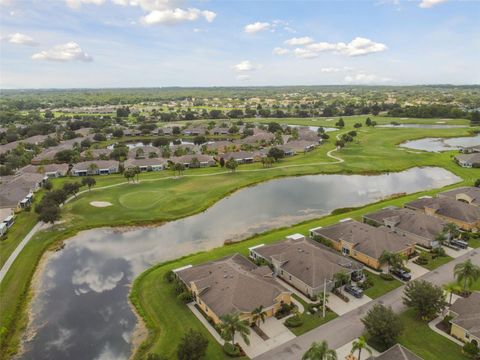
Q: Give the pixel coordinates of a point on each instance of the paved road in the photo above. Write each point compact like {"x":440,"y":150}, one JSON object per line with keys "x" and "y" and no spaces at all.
{"x":349,"y":327}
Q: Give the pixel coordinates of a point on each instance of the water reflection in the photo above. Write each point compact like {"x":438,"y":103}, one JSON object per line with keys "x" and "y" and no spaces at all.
{"x":81,"y":309}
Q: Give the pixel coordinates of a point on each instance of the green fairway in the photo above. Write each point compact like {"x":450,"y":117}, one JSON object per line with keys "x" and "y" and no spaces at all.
{"x":426,"y":343}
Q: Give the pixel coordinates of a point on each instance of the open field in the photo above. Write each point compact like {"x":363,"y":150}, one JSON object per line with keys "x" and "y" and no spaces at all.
{"x":373,"y":151}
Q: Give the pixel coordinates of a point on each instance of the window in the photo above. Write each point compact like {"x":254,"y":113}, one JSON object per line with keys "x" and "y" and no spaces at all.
{"x":290,"y":277}
{"x":467,"y":335}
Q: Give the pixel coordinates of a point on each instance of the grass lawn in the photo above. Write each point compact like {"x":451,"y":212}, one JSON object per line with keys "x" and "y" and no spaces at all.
{"x":426,"y":343}
{"x":474,"y":243}
{"x":380,"y":286}
{"x":24,"y":222}
{"x":311,"y":321}
{"x":437,"y":262}
{"x":159,"y":198}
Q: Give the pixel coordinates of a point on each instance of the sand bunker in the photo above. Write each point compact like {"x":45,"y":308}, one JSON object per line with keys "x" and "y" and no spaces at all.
{"x":100,"y":203}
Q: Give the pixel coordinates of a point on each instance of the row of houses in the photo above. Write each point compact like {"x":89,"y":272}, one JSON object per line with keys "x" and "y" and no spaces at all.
{"x":469,"y":157}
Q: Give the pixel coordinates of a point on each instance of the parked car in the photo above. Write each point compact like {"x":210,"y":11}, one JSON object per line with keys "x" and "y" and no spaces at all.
{"x":401,"y":274}
{"x":354,"y":290}
{"x":459,"y":243}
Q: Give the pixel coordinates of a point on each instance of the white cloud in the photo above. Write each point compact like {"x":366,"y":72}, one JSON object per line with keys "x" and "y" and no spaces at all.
{"x":305,"y":53}
{"x":361,"y":46}
{"x":173,"y":16}
{"x":335,"y":69}
{"x":65,"y":52}
{"x":76,"y":4}
{"x":426,"y":4}
{"x":21,"y":39}
{"x":244,"y":65}
{"x":257,"y":27}
{"x":299,"y":41}
{"x":280,"y":51}
{"x":95,"y":280}
{"x":365,"y":78}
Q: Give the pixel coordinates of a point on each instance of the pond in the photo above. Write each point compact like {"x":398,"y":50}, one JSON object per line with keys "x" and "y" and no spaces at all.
{"x":442,"y":144}
{"x":80,"y":310}
{"x":314,"y":128}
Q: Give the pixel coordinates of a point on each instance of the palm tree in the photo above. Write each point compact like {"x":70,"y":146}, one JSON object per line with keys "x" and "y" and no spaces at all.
{"x":259,"y":315}
{"x":451,"y":288}
{"x":466,"y":273}
{"x":320,"y":351}
{"x":341,"y":278}
{"x":93,"y":168}
{"x":359,"y":345}
{"x":232,"y":324}
{"x":451,"y":230}
{"x":385,"y":258}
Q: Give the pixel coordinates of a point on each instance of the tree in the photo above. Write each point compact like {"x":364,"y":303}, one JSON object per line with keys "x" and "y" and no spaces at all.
{"x":383,"y":325}
{"x":89,"y":182}
{"x":58,"y":196}
{"x":386,"y":259}
{"x":49,"y":213}
{"x":466,"y":273}
{"x":276,"y":153}
{"x":178,"y":167}
{"x":48,"y":185}
{"x":477,"y":183}
{"x":357,"y":125}
{"x":129,"y":174}
{"x":273,"y":127}
{"x":92,"y":168}
{"x":231,"y":165}
{"x":475,"y":120}
{"x":451,"y":230}
{"x":368,"y":122}
{"x":320,"y":351}
{"x":222,"y":162}
{"x":258,"y":315}
{"x":118,"y":133}
{"x":339,"y":144}
{"x":341,"y":278}
{"x":267,"y":161}
{"x":340,"y":123}
{"x":359,"y":345}
{"x":426,"y":298}
{"x":451,"y":288}
{"x":193,"y":346}
{"x":71,"y":188}
{"x":230,"y":325}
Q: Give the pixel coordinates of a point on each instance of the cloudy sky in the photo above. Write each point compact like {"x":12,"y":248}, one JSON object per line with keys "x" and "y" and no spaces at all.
{"x":151,"y":43}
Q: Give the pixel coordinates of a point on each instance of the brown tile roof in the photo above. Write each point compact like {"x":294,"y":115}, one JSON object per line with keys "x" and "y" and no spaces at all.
{"x":369,"y":240}
{"x":470,"y":194}
{"x":468,"y":310}
{"x":396,"y":352}
{"x":233,"y":284}
{"x":410,"y":221}
{"x":448,"y":207}
{"x":308,"y":260}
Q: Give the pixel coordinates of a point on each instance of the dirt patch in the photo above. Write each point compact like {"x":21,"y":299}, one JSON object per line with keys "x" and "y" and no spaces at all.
{"x":140,"y":333}
{"x":100,"y":204}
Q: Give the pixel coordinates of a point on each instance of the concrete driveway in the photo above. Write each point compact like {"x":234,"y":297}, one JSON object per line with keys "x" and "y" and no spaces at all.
{"x":277,"y":332}
{"x":341,"y":307}
{"x":454,"y":253}
{"x":416,"y":270}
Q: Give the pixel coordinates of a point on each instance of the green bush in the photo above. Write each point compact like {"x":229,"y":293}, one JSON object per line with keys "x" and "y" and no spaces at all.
{"x":387,"y":277}
{"x":367,"y":283}
{"x":185,"y":297}
{"x":294,"y":321}
{"x":231,"y":350}
{"x":471,"y":350}
{"x":422,"y":259}
{"x":440,"y":251}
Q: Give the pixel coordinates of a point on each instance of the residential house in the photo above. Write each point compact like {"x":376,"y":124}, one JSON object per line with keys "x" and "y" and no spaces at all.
{"x":33,"y":140}
{"x":143,"y":152}
{"x":16,"y":192}
{"x":306,"y":264}
{"x":396,"y":352}
{"x":195,"y":131}
{"x":221,"y":146}
{"x":132,"y":132}
{"x":297,"y":146}
{"x":153,"y":164}
{"x":233,"y":285}
{"x":466,"y":319}
{"x":470,"y":149}
{"x":365,"y":243}
{"x":242,"y":157}
{"x":261,"y":138}
{"x":167,"y":131}
{"x":467,"y":194}
{"x":49,"y":170}
{"x":220,"y":131}
{"x":189,"y":160}
{"x":95,"y":167}
{"x":421,"y":227}
{"x":95,"y":154}
{"x":471,"y":160}
{"x":465,"y":216}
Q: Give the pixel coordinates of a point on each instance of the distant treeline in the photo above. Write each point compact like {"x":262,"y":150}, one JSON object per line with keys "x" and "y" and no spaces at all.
{"x":429,"y":111}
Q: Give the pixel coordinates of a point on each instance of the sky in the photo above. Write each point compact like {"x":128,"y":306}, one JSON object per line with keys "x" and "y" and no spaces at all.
{"x":158,"y":43}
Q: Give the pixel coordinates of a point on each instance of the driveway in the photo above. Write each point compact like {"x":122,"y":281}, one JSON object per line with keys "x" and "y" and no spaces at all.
{"x":456,"y":253}
{"x":341,"y":307}
{"x":348,"y":327}
{"x":416,"y":270}
{"x":344,"y":351}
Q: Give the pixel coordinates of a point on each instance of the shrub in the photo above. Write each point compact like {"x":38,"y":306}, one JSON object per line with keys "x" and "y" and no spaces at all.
{"x":169,"y":276}
{"x":340,"y":295}
{"x":284,"y":310}
{"x":387,"y":277}
{"x":185,"y":297}
{"x":231,"y":350}
{"x":471,"y":350}
{"x":294,"y":321}
{"x":367,"y":283}
{"x":439,"y":251}
{"x":422,"y":259}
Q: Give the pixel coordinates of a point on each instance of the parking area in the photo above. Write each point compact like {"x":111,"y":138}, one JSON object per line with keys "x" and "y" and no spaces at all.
{"x":456,"y":253}
{"x":341,"y":307}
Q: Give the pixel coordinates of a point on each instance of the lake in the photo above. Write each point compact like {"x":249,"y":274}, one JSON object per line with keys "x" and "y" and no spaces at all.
{"x":442,"y":144}
{"x":80,"y":310}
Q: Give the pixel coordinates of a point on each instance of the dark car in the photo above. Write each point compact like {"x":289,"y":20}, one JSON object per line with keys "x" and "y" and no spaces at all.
{"x":459,"y":243}
{"x":354,"y":290}
{"x":401,"y":274}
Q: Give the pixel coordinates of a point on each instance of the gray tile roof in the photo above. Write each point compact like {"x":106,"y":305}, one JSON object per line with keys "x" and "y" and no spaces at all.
{"x":308,"y":260}
{"x":369,"y":240}
{"x":468,"y":310}
{"x":469,"y":194}
{"x":448,"y":207}
{"x":396,"y":352}
{"x":233,"y":284}
{"x":14,"y":188}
